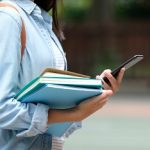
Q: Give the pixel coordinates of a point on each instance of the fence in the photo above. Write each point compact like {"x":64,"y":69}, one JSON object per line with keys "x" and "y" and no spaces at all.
{"x":91,"y":47}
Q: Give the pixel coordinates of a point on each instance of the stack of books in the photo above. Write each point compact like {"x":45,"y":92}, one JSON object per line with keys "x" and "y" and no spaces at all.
{"x":60,"y":90}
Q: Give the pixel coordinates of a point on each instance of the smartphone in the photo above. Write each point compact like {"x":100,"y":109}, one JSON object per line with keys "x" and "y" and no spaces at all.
{"x":127,"y":64}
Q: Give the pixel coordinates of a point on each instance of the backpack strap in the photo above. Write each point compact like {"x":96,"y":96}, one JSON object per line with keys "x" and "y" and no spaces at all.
{"x":23,"y":30}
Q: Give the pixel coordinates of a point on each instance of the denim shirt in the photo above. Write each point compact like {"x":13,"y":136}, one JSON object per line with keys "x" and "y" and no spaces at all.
{"x":23,"y":126}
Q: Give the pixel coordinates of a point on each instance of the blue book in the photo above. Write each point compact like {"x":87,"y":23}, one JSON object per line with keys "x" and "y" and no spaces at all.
{"x":59,"y":92}
{"x":59,"y":96}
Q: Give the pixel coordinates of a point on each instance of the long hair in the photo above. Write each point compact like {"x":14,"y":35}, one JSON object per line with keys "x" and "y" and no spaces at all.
{"x":48,"y":5}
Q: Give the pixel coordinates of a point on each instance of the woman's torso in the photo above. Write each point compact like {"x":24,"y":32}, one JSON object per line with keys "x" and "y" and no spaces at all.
{"x":38,"y":55}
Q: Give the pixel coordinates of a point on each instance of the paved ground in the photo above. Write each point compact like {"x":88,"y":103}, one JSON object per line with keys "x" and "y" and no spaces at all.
{"x":123,"y":124}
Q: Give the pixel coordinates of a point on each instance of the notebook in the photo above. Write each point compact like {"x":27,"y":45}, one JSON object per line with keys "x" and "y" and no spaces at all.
{"x":59,"y":90}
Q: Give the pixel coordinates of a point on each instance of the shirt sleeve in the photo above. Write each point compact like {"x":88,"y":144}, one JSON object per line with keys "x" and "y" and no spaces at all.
{"x":26,"y":119}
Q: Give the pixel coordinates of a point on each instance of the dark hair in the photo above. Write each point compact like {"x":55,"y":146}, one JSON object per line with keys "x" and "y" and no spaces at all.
{"x":48,"y":5}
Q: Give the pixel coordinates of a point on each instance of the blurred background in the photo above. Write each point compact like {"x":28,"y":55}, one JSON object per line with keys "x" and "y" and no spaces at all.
{"x":101,"y":34}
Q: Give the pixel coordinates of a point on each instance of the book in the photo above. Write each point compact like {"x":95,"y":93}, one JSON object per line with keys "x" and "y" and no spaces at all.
{"x":58,"y":78}
{"x":59,"y":96}
{"x":59,"y":90}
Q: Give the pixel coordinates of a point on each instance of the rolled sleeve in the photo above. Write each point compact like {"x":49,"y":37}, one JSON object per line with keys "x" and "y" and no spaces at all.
{"x":75,"y":126}
{"x":39,"y":121}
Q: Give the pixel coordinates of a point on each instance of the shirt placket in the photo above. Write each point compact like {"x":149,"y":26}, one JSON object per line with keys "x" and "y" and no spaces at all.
{"x":60,"y":48}
{"x":56,"y":41}
{"x":41,"y":24}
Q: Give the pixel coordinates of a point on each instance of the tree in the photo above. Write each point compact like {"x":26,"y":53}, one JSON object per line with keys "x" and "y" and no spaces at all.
{"x":101,"y":10}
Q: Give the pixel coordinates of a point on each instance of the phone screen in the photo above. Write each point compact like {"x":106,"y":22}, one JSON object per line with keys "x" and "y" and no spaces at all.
{"x":127,"y":64}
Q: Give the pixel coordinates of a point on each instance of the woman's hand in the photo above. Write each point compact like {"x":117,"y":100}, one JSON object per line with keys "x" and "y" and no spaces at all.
{"x":80,"y":112}
{"x":114,"y":82}
{"x":90,"y":106}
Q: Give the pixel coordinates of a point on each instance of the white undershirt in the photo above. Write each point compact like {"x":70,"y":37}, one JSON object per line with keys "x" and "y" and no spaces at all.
{"x":59,"y":58}
{"x":57,"y":143}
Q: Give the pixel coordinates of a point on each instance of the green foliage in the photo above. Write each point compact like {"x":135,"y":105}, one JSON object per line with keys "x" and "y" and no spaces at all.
{"x":76,"y":10}
{"x":132,"y":9}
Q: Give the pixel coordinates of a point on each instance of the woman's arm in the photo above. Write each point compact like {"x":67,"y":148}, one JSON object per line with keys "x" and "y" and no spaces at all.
{"x":26,"y":119}
{"x":82,"y":111}
{"x":90,"y":106}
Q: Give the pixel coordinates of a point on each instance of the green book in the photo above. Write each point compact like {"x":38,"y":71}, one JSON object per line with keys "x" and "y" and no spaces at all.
{"x":56,"y":78}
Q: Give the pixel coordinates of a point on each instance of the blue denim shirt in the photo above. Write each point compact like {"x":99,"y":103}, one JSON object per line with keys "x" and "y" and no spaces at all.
{"x":23,"y":126}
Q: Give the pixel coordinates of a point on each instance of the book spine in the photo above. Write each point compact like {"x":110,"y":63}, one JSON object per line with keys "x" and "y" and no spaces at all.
{"x":26,"y":86}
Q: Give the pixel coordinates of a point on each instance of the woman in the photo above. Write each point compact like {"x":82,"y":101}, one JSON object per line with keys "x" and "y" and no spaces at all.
{"x":23,"y":126}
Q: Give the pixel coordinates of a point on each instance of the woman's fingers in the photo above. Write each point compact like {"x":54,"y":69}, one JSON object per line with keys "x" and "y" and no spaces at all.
{"x":114,"y":85}
{"x":120,"y":76}
{"x":102,"y":99}
{"x":105,"y":94}
{"x":91,"y":105}
{"x":114,"y":82}
{"x":101,"y":76}
{"x":98,"y":99}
